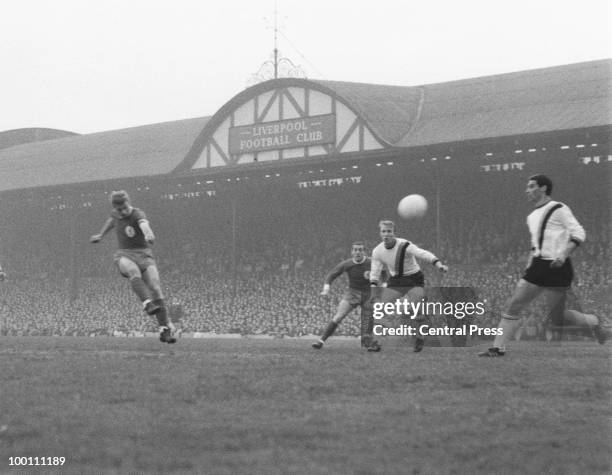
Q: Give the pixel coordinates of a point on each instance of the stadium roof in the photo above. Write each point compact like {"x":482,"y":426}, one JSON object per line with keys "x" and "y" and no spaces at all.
{"x":542,"y":100}
{"x":566,"y":97}
{"x":10,"y":138}
{"x":561,"y":98}
{"x":137,"y":151}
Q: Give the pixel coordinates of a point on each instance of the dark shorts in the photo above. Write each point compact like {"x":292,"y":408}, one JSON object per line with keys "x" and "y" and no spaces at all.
{"x":541,"y":274}
{"x":143,"y":258}
{"x":407,"y":281}
{"x":357,"y":297}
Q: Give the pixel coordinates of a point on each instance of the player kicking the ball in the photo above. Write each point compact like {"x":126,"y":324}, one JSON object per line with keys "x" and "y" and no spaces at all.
{"x":357,"y":269}
{"x":397,"y":257}
{"x":555,"y":233}
{"x":134,"y":258}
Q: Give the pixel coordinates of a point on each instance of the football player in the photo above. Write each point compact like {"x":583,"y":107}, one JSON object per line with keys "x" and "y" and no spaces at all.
{"x":555,"y":234}
{"x":135,"y":260}
{"x":397,"y":256}
{"x":357,"y":268}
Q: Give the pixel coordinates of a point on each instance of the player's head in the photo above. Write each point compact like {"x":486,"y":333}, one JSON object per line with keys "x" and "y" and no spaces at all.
{"x":538,"y":186}
{"x":387,"y":231}
{"x":121,"y":202}
{"x":358,"y":250}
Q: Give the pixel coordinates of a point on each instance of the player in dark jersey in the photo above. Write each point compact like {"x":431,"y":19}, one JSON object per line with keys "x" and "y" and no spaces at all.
{"x":134,"y":258}
{"x":357,"y":268}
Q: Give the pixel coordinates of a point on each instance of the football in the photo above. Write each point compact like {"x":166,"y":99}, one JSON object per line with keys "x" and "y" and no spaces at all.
{"x":412,"y":206}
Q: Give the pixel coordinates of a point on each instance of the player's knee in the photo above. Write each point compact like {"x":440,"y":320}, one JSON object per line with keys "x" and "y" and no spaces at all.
{"x":515,"y":306}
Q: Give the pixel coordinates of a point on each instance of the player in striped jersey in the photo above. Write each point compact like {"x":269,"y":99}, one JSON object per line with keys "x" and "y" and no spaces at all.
{"x":398,"y":257}
{"x":555,"y":234}
{"x":135,"y":258}
{"x":357,"y":268}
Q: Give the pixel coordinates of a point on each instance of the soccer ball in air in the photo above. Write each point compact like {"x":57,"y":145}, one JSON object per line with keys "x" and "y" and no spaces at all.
{"x":412,"y":206}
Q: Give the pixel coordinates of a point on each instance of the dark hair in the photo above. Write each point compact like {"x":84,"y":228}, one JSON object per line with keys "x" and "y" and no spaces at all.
{"x":543,"y":180}
{"x":119,"y":197}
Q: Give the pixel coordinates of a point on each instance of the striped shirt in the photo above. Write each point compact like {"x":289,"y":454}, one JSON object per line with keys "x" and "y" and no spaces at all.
{"x":399,"y":260}
{"x":561,"y":228}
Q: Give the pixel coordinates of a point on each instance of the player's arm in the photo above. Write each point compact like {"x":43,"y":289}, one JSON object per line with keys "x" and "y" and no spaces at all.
{"x":331,"y":276}
{"x":378,"y":273}
{"x":146,"y":230}
{"x":108,"y":225}
{"x":384,"y":278}
{"x":530,"y":257}
{"x":577,"y":234}
{"x":426,"y":256}
{"x":376,"y":268}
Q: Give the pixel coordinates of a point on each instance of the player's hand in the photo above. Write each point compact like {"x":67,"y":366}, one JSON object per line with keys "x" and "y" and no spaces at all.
{"x":95,"y":238}
{"x":441,"y":267}
{"x":558,"y":262}
{"x":150,"y":238}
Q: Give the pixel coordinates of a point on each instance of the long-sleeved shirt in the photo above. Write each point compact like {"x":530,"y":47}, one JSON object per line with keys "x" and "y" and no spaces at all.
{"x":390,"y":259}
{"x":561,"y":228}
{"x":358,"y":273}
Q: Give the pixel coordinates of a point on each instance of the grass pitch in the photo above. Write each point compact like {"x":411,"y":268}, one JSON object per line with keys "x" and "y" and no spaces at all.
{"x":118,"y":405}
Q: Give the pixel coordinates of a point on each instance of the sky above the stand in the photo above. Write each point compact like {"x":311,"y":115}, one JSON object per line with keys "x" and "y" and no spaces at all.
{"x":88,"y":66}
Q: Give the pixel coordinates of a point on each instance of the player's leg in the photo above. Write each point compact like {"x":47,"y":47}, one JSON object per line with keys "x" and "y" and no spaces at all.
{"x":344,"y":308}
{"x":562,"y":282}
{"x":367,"y":323}
{"x":560,"y":316}
{"x":151,"y":277}
{"x":555,"y":305}
{"x":523,"y":294}
{"x":594,"y":322}
{"x":417,"y":294}
{"x":379,"y":296}
{"x":131,"y":271}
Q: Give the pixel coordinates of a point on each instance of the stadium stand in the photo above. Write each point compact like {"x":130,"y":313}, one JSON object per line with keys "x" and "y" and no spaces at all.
{"x":243,"y":247}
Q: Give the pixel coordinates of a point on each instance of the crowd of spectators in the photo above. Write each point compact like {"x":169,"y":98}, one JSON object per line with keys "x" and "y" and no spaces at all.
{"x":271,"y":292}
{"x":264,"y":276}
